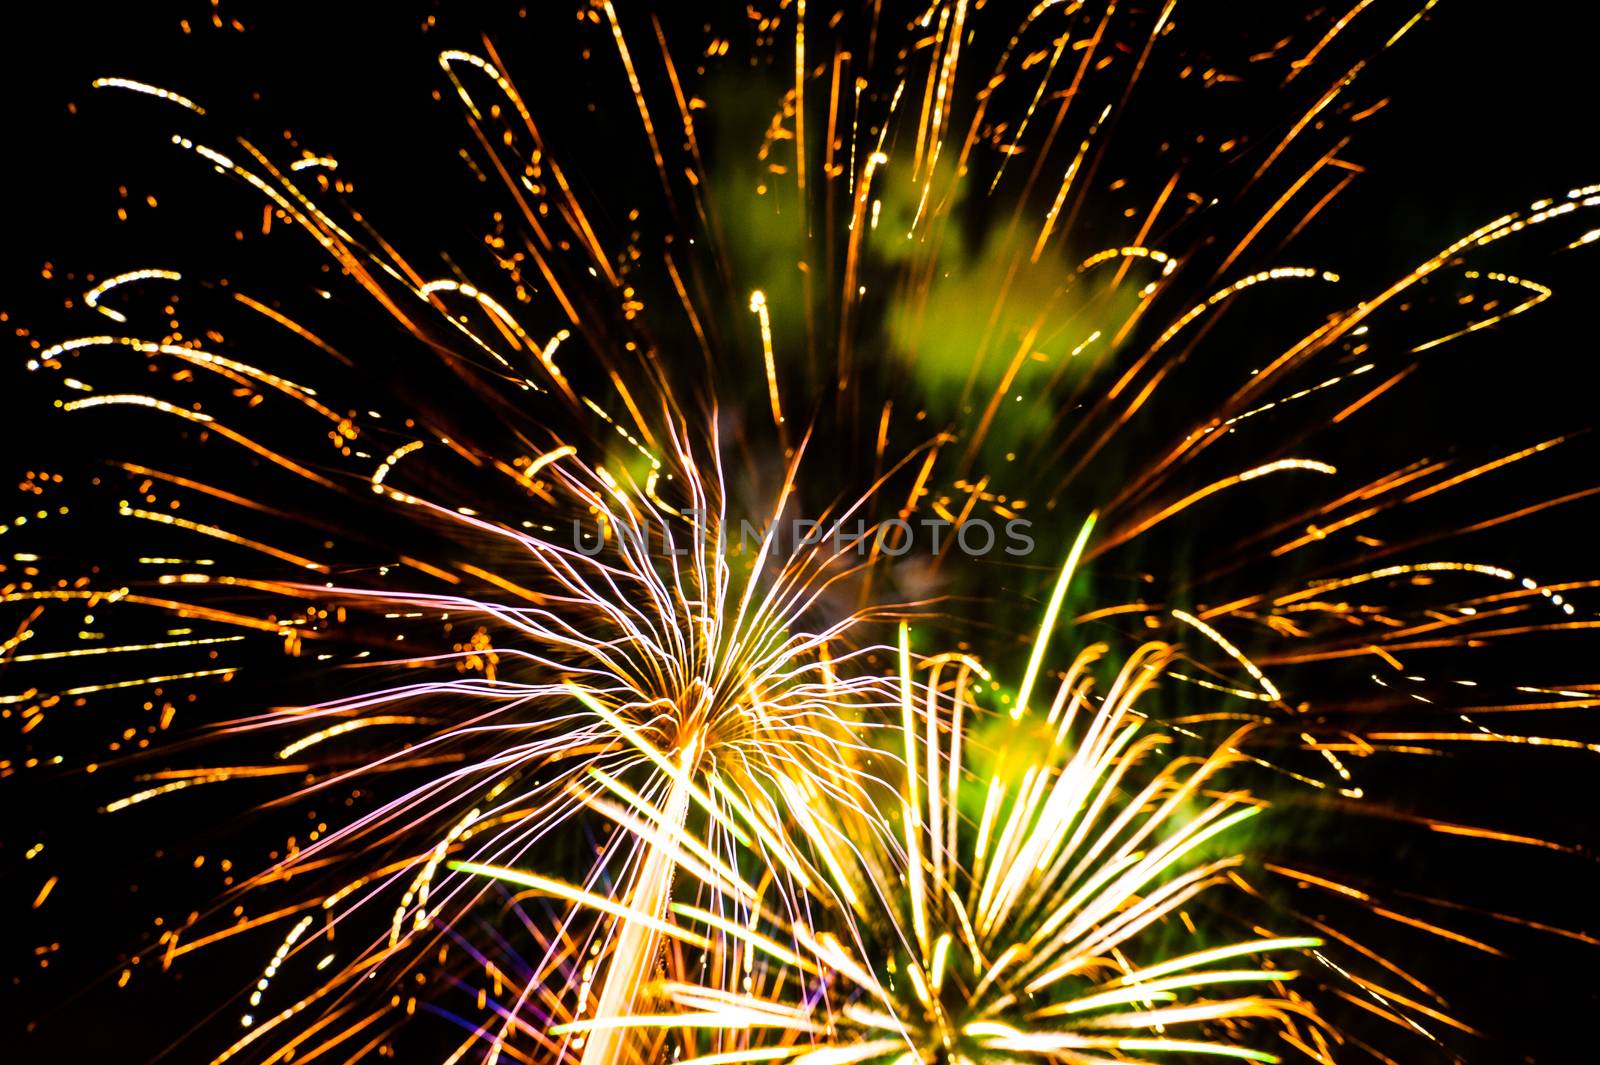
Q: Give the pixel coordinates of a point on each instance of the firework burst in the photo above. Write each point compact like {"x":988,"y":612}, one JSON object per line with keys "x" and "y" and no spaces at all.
{"x":1031,"y":930}
{"x":483,"y":587}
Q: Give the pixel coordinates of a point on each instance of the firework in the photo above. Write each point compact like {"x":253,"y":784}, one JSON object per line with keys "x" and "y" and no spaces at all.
{"x":1062,"y":884}
{"x":481,"y":588}
{"x":1023,"y":931}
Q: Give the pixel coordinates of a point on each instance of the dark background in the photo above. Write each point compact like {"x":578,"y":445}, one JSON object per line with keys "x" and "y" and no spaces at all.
{"x":1492,"y":108}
